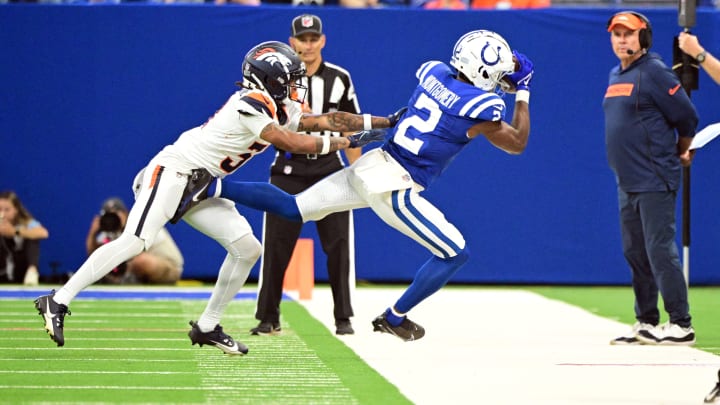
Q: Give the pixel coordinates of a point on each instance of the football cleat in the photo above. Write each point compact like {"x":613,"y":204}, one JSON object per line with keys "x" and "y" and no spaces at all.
{"x":712,"y":396}
{"x":217,"y":338}
{"x":54,"y":316}
{"x":407,"y":330}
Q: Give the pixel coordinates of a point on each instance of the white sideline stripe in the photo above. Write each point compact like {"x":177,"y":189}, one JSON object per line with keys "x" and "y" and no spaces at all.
{"x":497,"y":346}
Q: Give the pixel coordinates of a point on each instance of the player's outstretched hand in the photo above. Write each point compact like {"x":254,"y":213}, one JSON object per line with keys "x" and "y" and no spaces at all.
{"x":521,"y":78}
{"x":363,"y":138}
{"x":395,"y":117}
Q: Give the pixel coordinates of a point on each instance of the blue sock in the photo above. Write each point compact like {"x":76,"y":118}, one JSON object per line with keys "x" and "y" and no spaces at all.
{"x":392,"y":318}
{"x":432,"y":276}
{"x":263,"y":197}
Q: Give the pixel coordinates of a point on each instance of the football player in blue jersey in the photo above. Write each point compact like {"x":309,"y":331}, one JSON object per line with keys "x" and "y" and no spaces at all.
{"x":451,"y":106}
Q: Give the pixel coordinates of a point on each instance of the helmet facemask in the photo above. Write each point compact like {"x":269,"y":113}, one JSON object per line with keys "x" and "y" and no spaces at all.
{"x":297,"y":90}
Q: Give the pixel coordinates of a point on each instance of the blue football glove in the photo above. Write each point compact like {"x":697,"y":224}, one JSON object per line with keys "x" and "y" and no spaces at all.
{"x":362,"y":138}
{"x":395,"y":117}
{"x":521,"y":78}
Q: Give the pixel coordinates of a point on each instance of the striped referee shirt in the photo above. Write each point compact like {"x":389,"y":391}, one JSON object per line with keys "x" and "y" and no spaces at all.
{"x":331,"y":89}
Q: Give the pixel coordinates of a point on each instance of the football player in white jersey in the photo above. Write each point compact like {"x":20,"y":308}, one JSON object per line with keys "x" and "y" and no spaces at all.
{"x":448,"y":109}
{"x":265,"y":111}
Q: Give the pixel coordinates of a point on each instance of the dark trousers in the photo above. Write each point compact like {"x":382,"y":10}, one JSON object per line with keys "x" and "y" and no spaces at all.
{"x":647,"y":223}
{"x":280,"y":236}
{"x":22,"y":255}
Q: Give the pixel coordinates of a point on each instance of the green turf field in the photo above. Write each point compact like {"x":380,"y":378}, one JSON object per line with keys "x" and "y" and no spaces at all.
{"x":137,"y":351}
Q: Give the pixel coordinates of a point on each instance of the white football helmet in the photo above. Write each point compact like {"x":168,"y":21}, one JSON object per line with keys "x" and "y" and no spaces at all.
{"x":484,"y":57}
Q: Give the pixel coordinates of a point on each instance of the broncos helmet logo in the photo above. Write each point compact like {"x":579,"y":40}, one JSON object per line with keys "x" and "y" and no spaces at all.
{"x":275,"y":58}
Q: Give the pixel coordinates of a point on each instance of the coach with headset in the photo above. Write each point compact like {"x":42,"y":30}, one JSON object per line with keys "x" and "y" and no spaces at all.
{"x":649,"y":125}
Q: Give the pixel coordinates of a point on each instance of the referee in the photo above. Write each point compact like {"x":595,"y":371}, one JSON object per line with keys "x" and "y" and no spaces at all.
{"x":329,"y":89}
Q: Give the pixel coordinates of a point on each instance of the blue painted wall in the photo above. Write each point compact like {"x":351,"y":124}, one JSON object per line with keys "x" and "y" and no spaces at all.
{"x":88,"y":94}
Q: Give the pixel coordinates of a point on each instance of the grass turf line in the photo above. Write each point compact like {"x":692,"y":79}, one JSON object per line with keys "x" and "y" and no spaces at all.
{"x":138,"y":352}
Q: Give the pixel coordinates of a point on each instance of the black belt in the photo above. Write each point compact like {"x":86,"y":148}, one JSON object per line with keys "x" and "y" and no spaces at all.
{"x":309,"y":156}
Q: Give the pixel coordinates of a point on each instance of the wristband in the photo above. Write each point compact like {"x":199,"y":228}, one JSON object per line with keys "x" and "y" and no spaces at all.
{"x":522,"y":95}
{"x":325,"y":146}
{"x":367,"y":122}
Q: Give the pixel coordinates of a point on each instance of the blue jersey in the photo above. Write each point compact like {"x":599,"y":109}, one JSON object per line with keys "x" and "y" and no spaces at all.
{"x":434,"y":128}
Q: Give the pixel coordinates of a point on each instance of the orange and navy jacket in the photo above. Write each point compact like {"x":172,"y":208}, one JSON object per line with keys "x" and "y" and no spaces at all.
{"x":646,"y":108}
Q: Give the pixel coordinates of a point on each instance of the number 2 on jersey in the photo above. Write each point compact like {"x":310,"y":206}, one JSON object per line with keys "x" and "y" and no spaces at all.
{"x":405,"y":139}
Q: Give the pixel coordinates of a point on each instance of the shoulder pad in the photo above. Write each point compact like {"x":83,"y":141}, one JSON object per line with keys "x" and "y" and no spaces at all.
{"x":260,"y":101}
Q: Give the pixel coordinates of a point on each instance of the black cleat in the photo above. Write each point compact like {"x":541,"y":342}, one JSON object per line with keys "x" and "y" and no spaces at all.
{"x":343,"y":327}
{"x":216,"y":338}
{"x":54,"y":316}
{"x":712,"y":396}
{"x":266,"y":328}
{"x":407,"y":330}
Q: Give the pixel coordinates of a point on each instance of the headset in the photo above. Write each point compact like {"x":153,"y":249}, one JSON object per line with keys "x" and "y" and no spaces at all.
{"x":645,"y":34}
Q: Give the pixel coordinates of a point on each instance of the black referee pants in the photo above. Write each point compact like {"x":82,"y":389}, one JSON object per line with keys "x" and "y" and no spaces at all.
{"x":280,"y":237}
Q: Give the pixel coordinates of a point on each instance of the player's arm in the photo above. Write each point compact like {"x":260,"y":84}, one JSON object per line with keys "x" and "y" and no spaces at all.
{"x":296,"y":143}
{"x":513,"y":137}
{"x":341,"y":121}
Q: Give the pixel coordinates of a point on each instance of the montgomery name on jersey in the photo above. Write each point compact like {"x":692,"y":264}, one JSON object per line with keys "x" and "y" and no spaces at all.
{"x":434,"y":129}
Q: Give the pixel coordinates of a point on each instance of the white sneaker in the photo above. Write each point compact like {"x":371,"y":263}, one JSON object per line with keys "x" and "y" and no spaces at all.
{"x":31,"y":277}
{"x":668,"y":334}
{"x":630,"y":338}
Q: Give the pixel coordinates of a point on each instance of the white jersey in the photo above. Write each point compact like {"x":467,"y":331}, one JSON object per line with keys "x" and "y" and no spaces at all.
{"x":224,"y":143}
{"x":231,"y":136}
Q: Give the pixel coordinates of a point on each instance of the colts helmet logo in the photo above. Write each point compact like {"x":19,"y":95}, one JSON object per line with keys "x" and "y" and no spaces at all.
{"x":484,"y":52}
{"x":275,"y":58}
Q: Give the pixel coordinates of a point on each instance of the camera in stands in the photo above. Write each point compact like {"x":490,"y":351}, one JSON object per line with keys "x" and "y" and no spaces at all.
{"x":110,"y":222}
